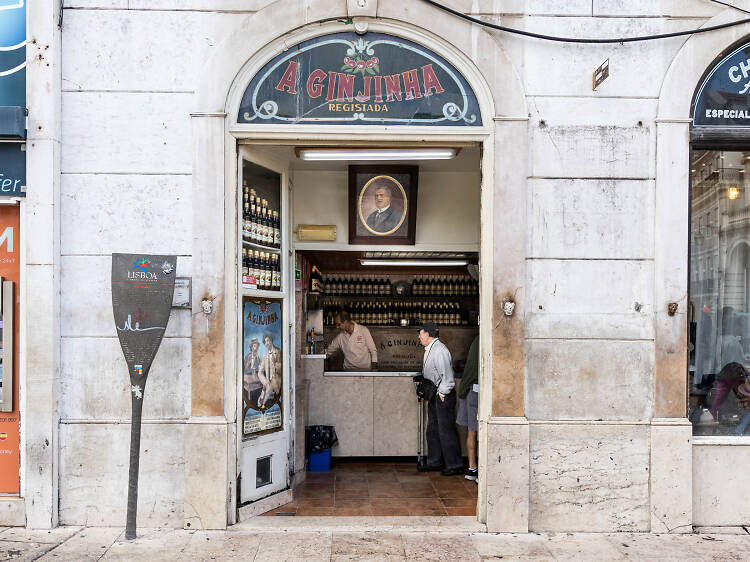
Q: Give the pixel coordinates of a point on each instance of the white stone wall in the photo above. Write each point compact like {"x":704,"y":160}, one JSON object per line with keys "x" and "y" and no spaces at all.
{"x":129,"y":73}
{"x":129,"y":76}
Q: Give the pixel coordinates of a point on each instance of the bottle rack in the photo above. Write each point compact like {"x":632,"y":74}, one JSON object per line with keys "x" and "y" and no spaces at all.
{"x":422,"y":286}
{"x":397,"y":312}
{"x":261,"y":239}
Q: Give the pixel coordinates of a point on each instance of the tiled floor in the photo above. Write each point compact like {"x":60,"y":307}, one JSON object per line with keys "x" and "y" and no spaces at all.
{"x":381,"y":489}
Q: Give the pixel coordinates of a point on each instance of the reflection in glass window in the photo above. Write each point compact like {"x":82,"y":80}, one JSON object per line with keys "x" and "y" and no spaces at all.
{"x":719,"y":293}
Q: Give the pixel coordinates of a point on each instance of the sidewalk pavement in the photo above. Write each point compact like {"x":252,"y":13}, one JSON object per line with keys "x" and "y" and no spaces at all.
{"x":336,"y":543}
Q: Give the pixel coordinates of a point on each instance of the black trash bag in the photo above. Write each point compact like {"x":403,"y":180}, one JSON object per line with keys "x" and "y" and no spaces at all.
{"x":320,"y":438}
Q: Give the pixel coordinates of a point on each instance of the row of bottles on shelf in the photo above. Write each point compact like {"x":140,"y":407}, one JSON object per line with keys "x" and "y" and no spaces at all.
{"x":421,"y":286}
{"x":262,"y":267}
{"x":260,"y":224}
{"x":316,"y":280}
{"x":397,"y":313}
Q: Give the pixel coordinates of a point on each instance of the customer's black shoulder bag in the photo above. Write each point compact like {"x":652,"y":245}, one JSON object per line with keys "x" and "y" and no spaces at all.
{"x":426,"y":389}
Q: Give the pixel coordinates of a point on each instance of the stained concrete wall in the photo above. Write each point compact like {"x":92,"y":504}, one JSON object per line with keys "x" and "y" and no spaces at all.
{"x":129,"y":76}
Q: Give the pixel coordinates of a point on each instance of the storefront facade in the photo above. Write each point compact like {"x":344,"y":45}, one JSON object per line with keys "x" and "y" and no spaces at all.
{"x":584,"y":254}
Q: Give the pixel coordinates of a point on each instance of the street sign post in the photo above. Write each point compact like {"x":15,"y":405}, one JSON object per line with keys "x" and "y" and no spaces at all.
{"x":142,"y":291}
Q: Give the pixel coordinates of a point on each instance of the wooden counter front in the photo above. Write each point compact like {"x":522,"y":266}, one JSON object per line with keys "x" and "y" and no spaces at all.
{"x":375,"y":413}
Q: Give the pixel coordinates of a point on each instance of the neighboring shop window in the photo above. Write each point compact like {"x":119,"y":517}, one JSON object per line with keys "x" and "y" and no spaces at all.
{"x":719,"y":293}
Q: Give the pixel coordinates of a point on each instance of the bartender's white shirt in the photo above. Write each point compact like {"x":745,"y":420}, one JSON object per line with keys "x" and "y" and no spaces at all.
{"x":359,"y":348}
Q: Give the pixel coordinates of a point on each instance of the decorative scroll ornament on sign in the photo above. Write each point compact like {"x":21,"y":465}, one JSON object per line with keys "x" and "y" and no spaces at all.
{"x":346,"y":79}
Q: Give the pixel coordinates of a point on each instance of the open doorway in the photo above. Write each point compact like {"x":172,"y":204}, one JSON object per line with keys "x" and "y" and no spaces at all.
{"x":389,"y":288}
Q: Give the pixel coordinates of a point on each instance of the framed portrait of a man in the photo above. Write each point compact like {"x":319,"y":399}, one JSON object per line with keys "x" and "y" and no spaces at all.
{"x":382,"y":204}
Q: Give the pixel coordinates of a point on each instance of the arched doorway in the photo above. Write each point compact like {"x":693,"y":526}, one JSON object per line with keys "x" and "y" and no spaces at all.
{"x":216,"y":141}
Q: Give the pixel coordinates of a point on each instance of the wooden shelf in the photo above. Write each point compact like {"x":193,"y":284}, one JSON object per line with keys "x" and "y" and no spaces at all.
{"x":260,"y":246}
{"x":247,"y":290}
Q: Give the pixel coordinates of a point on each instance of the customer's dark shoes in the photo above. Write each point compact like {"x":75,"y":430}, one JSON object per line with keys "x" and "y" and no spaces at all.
{"x":472,"y":474}
{"x":429,"y":467}
{"x":452,"y":471}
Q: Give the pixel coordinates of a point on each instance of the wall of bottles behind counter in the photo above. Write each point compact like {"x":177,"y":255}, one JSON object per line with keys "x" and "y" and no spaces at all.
{"x":397,"y":312}
{"x":421,"y":286}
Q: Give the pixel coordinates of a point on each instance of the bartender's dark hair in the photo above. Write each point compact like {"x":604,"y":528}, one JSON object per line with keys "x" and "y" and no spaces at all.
{"x":431,"y":329}
{"x":343,"y":315}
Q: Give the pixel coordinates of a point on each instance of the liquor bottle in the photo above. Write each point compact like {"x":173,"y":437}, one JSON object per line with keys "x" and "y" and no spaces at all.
{"x":262,"y":228}
{"x":244,"y":262}
{"x":276,"y":230}
{"x":275,"y":272}
{"x":267,"y":258}
{"x":262,"y":270}
{"x":269,"y":229}
{"x":246,"y":219}
{"x":269,"y":275}
{"x":252,"y":224}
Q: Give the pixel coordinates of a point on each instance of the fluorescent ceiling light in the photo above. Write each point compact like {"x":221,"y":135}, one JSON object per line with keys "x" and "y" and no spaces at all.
{"x":415,"y":263}
{"x":324,"y":153}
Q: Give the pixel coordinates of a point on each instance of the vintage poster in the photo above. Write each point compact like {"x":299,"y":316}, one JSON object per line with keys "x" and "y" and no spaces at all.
{"x":262,"y":366}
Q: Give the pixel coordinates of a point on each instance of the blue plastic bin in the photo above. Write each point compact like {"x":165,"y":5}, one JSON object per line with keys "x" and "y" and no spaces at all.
{"x":320,"y":462}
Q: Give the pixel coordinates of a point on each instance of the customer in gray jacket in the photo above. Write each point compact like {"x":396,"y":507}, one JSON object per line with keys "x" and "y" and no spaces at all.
{"x":443,"y":449}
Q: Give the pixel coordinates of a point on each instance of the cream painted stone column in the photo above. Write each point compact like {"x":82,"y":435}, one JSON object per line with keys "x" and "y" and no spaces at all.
{"x":505,"y":440}
{"x":670,"y":267}
{"x":671,"y":433}
{"x":40,"y":288}
{"x":206,"y":435}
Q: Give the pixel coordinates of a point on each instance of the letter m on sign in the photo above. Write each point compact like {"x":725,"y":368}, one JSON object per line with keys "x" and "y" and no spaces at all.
{"x":7,"y":238}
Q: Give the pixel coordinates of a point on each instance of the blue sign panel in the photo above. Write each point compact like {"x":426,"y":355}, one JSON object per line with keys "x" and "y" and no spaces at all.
{"x":348,"y":79}
{"x":13,"y":52}
{"x":12,"y":170}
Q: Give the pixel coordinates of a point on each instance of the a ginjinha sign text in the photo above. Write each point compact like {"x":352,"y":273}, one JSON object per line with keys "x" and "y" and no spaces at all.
{"x":347,"y":79}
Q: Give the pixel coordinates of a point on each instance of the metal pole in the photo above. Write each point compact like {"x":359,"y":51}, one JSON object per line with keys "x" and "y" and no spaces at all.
{"x":135,"y":455}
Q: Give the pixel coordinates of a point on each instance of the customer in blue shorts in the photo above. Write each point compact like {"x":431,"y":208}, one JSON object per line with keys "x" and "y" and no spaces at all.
{"x":468,"y":399}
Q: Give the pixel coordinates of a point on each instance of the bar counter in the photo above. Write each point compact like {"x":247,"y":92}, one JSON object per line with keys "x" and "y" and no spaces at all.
{"x":371,"y":373}
{"x":375,"y":412}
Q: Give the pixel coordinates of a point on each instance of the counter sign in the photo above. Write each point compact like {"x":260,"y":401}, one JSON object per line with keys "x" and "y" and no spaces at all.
{"x":347,"y":79}
{"x":723,"y":100}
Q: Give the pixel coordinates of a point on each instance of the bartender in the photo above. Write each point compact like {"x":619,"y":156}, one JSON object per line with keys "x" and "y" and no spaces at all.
{"x":356,"y":342}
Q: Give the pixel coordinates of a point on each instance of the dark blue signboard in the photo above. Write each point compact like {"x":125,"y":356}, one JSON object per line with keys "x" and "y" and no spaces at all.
{"x":13,"y":52}
{"x":12,"y":169}
{"x":347,"y":79}
{"x":723,"y":99}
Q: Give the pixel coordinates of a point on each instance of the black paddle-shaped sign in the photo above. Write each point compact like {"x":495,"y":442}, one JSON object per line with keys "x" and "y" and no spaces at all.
{"x":142,"y":290}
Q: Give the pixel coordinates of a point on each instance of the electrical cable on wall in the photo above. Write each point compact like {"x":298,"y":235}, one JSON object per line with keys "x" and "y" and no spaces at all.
{"x":600,"y":41}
